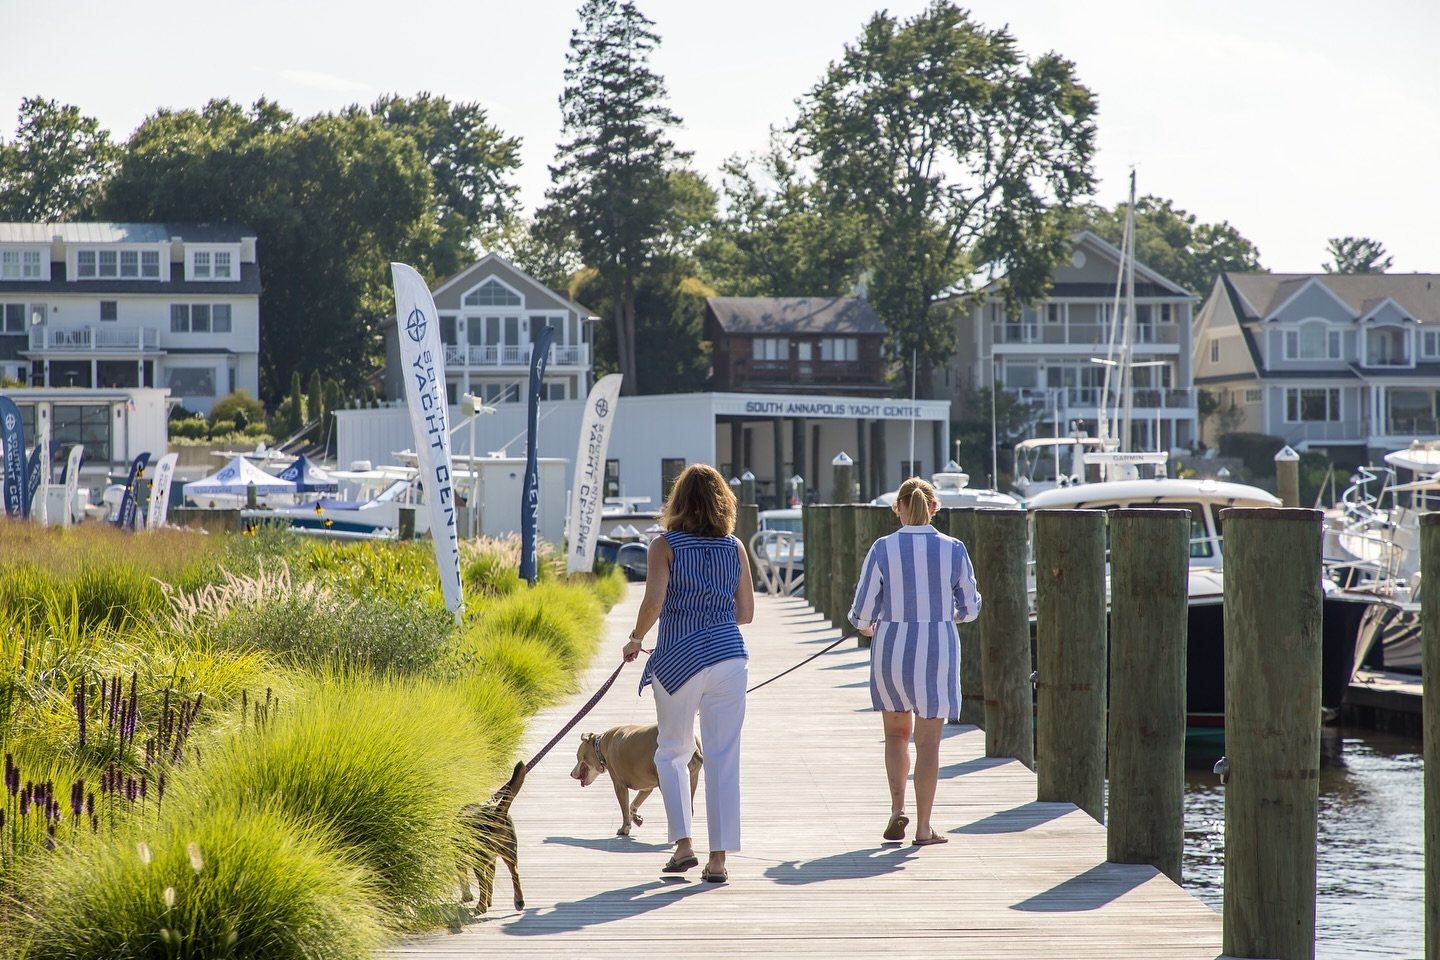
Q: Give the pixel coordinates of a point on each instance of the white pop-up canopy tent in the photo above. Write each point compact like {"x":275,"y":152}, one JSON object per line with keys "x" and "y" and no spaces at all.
{"x":234,"y":479}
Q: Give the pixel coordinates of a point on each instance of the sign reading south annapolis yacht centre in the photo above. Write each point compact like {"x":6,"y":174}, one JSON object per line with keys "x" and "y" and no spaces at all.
{"x":760,"y":405}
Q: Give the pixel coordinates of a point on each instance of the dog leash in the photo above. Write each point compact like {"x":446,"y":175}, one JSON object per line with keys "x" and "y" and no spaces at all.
{"x":589,"y":705}
{"x":802,"y":663}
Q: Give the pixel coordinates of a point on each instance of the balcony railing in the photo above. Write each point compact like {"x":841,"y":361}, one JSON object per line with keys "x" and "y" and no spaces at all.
{"x":497,"y":355}
{"x":1326,"y":430}
{"x":1094,"y":335}
{"x":72,"y":339}
{"x":1089,"y":397}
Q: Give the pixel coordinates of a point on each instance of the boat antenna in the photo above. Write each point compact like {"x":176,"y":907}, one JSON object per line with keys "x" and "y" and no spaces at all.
{"x":1126,"y":374}
{"x":994,"y":440}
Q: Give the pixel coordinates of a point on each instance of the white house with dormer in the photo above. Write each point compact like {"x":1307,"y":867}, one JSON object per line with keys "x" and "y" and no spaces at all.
{"x":490,"y":313}
{"x":1346,"y":363}
{"x":113,"y":306}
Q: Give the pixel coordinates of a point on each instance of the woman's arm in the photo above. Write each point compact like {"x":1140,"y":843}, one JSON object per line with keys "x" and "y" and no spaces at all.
{"x":869,"y":594}
{"x":967,"y":598}
{"x":657,"y":581}
{"x":744,"y":589}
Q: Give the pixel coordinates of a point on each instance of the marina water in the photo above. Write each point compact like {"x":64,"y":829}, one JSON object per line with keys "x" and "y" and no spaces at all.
{"x":1370,"y":873}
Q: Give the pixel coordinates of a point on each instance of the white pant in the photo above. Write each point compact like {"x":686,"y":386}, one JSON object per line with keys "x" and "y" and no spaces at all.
{"x":717,"y":693}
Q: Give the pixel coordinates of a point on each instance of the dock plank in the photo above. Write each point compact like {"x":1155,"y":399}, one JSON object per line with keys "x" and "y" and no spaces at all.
{"x":1019,"y":879}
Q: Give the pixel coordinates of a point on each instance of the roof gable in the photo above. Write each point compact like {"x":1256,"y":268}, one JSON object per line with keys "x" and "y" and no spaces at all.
{"x":816,"y":315}
{"x":450,"y":292}
{"x":1304,"y":290}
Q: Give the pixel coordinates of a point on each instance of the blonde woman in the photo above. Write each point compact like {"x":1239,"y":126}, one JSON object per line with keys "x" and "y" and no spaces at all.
{"x":698,"y":587}
{"x":915,"y":585}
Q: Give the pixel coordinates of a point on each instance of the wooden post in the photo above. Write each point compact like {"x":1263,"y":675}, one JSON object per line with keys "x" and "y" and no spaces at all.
{"x":807,"y":537}
{"x":1272,"y":730}
{"x":842,"y":471}
{"x":1287,"y":476}
{"x":747,"y":488}
{"x":959,"y":522}
{"x":845,"y":569}
{"x":407,"y":523}
{"x":817,"y":560}
{"x":1005,"y":628}
{"x":1149,"y":611}
{"x":250,"y":500}
{"x":1070,"y":653}
{"x":747,"y":521}
{"x":871,"y":523}
{"x":1430,"y":709}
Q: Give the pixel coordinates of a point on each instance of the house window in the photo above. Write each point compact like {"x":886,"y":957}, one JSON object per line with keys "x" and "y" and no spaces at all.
{"x":670,"y":468}
{"x":87,"y":423}
{"x":109,"y":261}
{"x":20,"y":265}
{"x":150,"y":264}
{"x":1430,"y":344}
{"x":770,"y":348}
{"x":1165,"y":312}
{"x":804,"y":351}
{"x":492,"y":293}
{"x":554,"y":391}
{"x":1312,"y":341}
{"x":1312,"y":405}
{"x":200,"y":265}
{"x":85,"y":264}
{"x":840,"y":349}
{"x":1254,"y":395}
{"x":190,"y":381}
{"x":612,"y":478}
{"x":200,"y":318}
{"x":1214,"y":351}
{"x":179,"y":318}
{"x":222,"y":265}
{"x":1055,"y":313}
{"x":220,"y":318}
{"x":109,"y":310}
{"x":130,"y":264}
{"x":13,"y":318}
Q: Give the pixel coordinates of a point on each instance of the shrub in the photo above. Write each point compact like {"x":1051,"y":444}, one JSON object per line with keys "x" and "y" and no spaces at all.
{"x":192,"y":429}
{"x":208,"y":885}
{"x":565,"y":618}
{"x":222,"y":428}
{"x":530,"y":667}
{"x":257,"y":429}
{"x":239,"y":407}
{"x":1256,"y":450}
{"x":383,"y":766}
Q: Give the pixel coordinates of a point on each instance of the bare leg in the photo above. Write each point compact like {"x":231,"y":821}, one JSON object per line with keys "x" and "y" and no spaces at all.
{"x":927,"y":772}
{"x":897,"y":757}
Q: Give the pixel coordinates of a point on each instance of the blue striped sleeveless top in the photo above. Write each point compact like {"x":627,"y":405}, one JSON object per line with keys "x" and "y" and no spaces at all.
{"x":697,"y":619}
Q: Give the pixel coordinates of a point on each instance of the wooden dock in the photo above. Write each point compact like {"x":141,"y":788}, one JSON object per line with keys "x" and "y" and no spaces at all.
{"x":1385,"y":700}
{"x":1019,"y":879}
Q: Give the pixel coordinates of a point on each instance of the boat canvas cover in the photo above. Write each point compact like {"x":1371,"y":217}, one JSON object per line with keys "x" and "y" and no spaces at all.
{"x":235,"y":478}
{"x":309,"y":477}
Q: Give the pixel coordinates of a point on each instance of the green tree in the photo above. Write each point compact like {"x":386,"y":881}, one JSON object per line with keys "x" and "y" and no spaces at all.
{"x":542,"y":246}
{"x":470,"y":161}
{"x":51,"y":169}
{"x":1357,"y":255}
{"x":296,"y":418}
{"x":957,"y":153}
{"x":240,"y":407}
{"x":780,"y":236}
{"x":315,"y":399}
{"x":976,"y":428}
{"x":612,"y":185}
{"x":1173,"y":243}
{"x":334,"y":400}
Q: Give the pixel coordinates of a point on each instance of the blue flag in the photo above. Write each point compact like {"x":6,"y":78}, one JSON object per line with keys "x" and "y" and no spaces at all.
{"x":126,"y":519}
{"x":34,"y":475}
{"x":530,"y":498}
{"x":14,"y":470}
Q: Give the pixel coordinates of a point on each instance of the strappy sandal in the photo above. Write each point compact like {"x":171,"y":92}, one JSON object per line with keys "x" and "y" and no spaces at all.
{"x":680,"y":866}
{"x":895,"y":829}
{"x":714,"y":876}
{"x":934,"y":838}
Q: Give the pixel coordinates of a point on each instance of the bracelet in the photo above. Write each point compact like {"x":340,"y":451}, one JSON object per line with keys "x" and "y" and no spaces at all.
{"x":632,"y":638}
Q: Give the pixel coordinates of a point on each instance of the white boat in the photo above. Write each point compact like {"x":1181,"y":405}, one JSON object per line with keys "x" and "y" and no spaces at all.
{"x":1044,"y":463}
{"x":952,"y":489}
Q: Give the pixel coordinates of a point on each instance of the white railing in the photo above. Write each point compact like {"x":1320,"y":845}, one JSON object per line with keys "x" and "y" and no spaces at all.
{"x":497,"y":355}
{"x":94,"y":338}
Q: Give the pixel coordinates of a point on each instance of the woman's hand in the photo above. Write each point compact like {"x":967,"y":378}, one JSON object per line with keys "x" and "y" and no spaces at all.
{"x":631,"y":650}
{"x":868,"y":631}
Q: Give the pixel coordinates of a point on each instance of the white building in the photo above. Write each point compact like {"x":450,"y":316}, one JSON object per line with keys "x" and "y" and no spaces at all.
{"x":114,"y":425}
{"x":115,"y":306}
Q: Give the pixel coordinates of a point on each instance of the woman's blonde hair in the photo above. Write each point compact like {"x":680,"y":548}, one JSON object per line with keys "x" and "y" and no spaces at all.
{"x":914,"y":501}
{"x":701,"y":503}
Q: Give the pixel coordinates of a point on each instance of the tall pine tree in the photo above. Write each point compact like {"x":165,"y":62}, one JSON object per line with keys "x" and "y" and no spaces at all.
{"x":612,"y":186}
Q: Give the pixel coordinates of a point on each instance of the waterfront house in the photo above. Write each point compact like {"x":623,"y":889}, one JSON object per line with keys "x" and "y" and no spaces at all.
{"x":1345,"y":363}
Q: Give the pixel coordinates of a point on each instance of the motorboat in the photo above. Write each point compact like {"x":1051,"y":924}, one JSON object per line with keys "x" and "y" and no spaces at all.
{"x":1205,"y":650}
{"x":1044,"y":463}
{"x":777,"y":551}
{"x":952,"y":489}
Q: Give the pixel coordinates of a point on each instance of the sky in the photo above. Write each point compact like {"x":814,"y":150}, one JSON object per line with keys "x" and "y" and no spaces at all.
{"x":1295,"y":122}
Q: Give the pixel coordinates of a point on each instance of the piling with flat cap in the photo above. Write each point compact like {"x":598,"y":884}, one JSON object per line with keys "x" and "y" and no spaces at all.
{"x":1000,"y":537}
{"x":1430,"y":710}
{"x":842,"y":478}
{"x":1272,"y":730}
{"x":959,"y":522}
{"x":1149,"y":611}
{"x":1287,"y":476}
{"x":1070,"y":651}
{"x":871,"y":523}
{"x":807,"y":537}
{"x":747,"y":488}
{"x":845,"y":567}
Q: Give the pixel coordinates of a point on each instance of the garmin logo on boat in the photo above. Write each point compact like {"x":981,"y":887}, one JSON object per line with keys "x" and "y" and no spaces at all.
{"x":415,"y":325}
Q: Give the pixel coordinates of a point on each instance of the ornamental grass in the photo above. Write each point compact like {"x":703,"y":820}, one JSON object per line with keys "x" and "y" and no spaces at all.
{"x":204,"y":885}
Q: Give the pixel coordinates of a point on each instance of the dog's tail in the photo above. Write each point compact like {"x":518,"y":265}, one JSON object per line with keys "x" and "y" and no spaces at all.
{"x":512,"y":787}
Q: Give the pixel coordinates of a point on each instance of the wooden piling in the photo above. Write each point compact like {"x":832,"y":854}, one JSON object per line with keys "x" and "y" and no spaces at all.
{"x":1430,"y":710}
{"x":817,"y":560}
{"x":959,"y":522}
{"x":846,"y":566}
{"x":1287,"y":476}
{"x":1070,"y":653}
{"x":1149,"y":610}
{"x":747,"y":522}
{"x":407,"y":523}
{"x":842,"y":475}
{"x":807,"y":535}
{"x":1272,"y":730}
{"x":1000,"y":537}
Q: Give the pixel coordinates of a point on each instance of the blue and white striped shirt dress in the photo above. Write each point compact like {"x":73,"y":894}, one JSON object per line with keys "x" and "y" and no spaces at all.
{"x":915,"y":585}
{"x":697,"y":618}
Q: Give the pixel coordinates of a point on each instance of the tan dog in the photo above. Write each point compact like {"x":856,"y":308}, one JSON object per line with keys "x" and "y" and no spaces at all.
{"x":627,"y":753}
{"x":490,"y":833}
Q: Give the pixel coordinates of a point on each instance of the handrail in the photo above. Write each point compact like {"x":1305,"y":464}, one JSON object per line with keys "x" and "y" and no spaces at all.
{"x":773,"y":554}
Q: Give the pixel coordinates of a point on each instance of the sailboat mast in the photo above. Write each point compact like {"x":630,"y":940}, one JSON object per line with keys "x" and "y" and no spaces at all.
{"x":1127,"y":393}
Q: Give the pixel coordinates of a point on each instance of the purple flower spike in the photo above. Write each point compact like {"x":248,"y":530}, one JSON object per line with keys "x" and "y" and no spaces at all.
{"x":77,"y":797}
